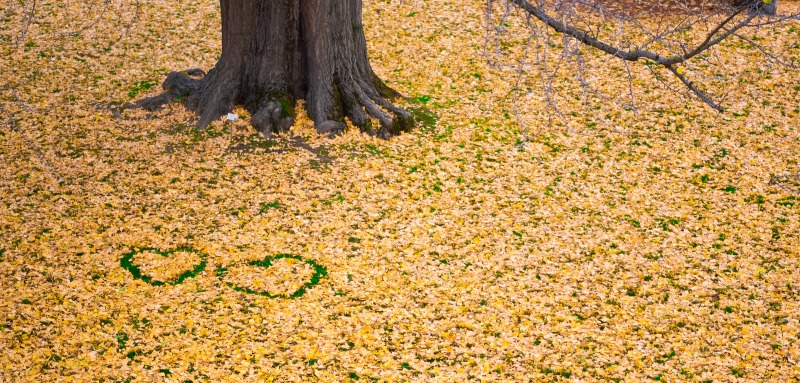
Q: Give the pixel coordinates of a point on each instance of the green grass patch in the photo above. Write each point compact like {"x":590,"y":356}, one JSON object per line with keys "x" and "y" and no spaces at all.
{"x":264,"y":207}
{"x":141,"y":87}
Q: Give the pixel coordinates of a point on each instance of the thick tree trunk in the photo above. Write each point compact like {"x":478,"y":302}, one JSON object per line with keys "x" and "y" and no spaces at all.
{"x":761,"y":7}
{"x":277,"y":51}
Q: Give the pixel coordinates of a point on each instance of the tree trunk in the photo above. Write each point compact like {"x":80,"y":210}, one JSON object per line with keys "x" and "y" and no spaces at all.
{"x":758,"y":6}
{"x":277,"y":51}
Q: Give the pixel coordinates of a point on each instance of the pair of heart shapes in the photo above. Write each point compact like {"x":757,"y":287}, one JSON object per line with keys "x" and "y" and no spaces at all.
{"x":127,"y":263}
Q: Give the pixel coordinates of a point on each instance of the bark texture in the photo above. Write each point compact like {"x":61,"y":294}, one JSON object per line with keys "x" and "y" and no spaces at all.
{"x":277,"y":51}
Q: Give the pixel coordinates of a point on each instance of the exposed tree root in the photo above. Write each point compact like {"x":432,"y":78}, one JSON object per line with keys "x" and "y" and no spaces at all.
{"x":177,"y":86}
{"x":271,"y":118}
{"x":361,"y":102}
{"x":393,"y":120}
{"x":212,"y":96}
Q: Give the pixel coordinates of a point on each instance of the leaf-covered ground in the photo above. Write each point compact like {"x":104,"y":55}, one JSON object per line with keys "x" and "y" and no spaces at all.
{"x":650,"y":247}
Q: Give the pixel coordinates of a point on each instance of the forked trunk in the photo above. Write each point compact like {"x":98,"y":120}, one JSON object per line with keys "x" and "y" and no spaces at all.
{"x":277,"y":51}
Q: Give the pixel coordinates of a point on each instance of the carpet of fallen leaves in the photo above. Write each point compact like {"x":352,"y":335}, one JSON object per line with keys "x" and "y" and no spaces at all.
{"x":650,"y":247}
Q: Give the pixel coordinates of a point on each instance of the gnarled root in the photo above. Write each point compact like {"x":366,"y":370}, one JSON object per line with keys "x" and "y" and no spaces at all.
{"x":363,"y":101}
{"x":360,"y":101}
{"x":177,"y":86}
{"x":212,"y":96}
{"x":271,"y":118}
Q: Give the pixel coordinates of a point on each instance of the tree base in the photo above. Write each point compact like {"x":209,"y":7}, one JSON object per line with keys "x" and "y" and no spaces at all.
{"x":212,"y":95}
{"x":275,"y":52}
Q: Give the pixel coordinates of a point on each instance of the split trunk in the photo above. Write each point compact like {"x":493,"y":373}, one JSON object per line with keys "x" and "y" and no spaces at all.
{"x":277,"y":51}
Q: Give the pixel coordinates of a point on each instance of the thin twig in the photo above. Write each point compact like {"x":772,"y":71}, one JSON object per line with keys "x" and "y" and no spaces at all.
{"x":718,"y":33}
{"x":781,"y":179}
{"x":699,"y":93}
{"x":15,"y":127}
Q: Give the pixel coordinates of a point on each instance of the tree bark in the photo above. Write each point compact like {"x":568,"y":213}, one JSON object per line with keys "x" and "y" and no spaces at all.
{"x":277,"y":51}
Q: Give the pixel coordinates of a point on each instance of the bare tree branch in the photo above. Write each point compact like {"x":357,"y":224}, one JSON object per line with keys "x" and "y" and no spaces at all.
{"x":699,"y":93}
{"x":12,"y":124}
{"x":671,"y":36}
